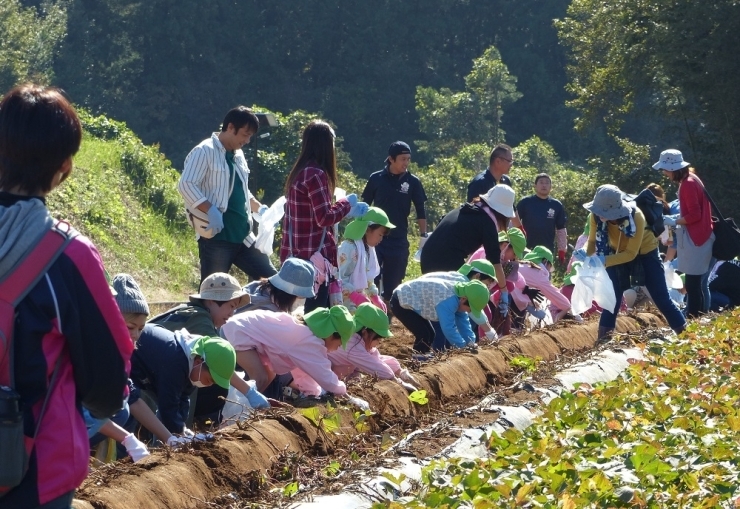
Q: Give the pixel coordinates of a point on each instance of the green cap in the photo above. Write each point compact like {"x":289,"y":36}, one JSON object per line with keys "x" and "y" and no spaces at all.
{"x":567,"y":280}
{"x":477,"y":294}
{"x":537,"y":254}
{"x":324,"y":322}
{"x":480,"y":265}
{"x":219,"y":356}
{"x":373,"y":318}
{"x":357,"y":228}
{"x":516,"y":238}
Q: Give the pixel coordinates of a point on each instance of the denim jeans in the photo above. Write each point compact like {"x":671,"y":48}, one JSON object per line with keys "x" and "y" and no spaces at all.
{"x":705,"y":286}
{"x":219,"y":256}
{"x":655,"y":283}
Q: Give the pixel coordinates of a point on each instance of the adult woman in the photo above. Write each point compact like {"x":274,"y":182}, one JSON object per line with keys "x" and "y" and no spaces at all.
{"x":465,"y":229}
{"x":310,"y":212}
{"x":619,"y":238}
{"x":694,"y":237}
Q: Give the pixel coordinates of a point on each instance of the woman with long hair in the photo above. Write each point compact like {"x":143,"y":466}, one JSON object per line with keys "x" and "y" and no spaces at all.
{"x":694,"y":234}
{"x":311,"y":211}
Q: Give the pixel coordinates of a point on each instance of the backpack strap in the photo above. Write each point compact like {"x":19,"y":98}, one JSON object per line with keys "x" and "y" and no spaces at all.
{"x":20,"y":280}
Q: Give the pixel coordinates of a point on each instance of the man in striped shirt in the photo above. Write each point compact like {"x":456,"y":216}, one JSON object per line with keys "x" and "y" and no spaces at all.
{"x":214,"y":183}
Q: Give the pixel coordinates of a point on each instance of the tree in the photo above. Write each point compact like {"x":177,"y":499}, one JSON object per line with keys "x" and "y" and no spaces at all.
{"x":451,"y":120}
{"x":30,"y":40}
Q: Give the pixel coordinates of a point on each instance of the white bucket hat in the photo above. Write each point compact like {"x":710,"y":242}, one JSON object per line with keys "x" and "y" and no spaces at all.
{"x":222,"y":287}
{"x":608,"y":203}
{"x":501,"y":199}
{"x":671,"y":160}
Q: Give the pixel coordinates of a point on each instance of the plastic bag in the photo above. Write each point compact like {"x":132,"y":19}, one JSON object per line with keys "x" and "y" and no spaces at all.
{"x":592,"y":283}
{"x":672,"y":279}
{"x":237,"y":407}
{"x":266,"y":235}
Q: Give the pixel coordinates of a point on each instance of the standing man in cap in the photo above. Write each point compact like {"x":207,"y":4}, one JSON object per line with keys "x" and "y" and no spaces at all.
{"x":218,"y":202}
{"x":393,"y":190}
{"x":544,"y":218}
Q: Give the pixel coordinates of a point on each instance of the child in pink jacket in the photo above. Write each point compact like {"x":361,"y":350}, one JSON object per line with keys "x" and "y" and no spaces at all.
{"x":362,"y":355}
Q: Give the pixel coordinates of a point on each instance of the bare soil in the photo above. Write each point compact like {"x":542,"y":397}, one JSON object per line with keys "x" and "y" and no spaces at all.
{"x":249,"y":465}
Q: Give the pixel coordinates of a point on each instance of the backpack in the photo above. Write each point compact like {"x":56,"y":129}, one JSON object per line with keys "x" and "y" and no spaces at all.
{"x":651,"y":208}
{"x":16,"y":448}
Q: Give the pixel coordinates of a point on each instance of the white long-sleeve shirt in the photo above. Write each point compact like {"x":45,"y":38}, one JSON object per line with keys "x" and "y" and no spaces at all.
{"x":283,"y":345}
{"x":206,"y":176}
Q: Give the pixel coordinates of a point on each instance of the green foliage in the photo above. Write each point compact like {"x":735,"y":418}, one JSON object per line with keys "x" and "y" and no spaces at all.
{"x":451,"y":120}
{"x":665,"y":435}
{"x":30,"y":40}
{"x":419,"y":397}
{"x":329,"y":421}
{"x":524,"y":363}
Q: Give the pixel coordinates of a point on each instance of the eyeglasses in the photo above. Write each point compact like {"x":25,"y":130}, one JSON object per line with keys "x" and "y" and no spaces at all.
{"x":507,"y":160}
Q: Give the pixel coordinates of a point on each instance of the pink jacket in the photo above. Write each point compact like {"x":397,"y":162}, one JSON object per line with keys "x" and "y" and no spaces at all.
{"x":538,"y":277}
{"x":357,"y":358}
{"x":283,"y":345}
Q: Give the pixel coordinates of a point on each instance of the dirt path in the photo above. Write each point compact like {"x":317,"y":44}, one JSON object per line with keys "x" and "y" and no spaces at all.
{"x":282,"y":445}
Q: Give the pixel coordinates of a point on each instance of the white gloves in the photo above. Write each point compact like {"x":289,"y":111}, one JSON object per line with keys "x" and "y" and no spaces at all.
{"x":491,"y":335}
{"x":407,"y":377}
{"x":188,"y":433}
{"x":359,"y":403}
{"x":407,"y":386}
{"x":135,"y":448}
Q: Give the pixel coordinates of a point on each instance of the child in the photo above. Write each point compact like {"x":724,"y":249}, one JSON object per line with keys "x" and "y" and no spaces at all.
{"x":172,"y":365}
{"x":361,"y":353}
{"x":271,"y":344}
{"x":418,"y":302}
{"x":358,"y":263}
{"x":536,"y":273}
{"x":220,"y":295}
{"x":281,"y":292}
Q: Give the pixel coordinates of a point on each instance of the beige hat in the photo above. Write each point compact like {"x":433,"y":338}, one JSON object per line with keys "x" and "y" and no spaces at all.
{"x":501,"y":199}
{"x":222,"y":287}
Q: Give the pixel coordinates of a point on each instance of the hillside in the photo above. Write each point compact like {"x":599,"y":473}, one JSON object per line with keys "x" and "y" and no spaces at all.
{"x":122,"y":194}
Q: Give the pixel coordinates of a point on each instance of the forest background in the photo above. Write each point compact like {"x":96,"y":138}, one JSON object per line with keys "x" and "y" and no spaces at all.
{"x":589,"y":91}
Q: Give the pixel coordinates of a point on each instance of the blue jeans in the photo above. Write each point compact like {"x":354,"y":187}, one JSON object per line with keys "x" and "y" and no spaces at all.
{"x":219,"y":256}
{"x":719,"y":300}
{"x":705,"y":286}
{"x":655,"y":284}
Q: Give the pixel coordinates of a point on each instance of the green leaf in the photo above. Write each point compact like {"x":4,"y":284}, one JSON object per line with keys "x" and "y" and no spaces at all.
{"x":419,"y":397}
{"x":290,"y":489}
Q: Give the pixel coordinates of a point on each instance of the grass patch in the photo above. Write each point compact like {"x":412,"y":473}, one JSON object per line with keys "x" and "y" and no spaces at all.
{"x":666,"y":434}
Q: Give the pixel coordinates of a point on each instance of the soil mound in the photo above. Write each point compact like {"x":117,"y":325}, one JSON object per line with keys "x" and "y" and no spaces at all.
{"x":235,"y":463}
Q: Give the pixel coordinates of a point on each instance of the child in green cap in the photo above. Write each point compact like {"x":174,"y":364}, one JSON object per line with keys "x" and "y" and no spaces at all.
{"x":358,"y":263}
{"x":271,"y":346}
{"x":418,"y":302}
{"x":361,"y":353}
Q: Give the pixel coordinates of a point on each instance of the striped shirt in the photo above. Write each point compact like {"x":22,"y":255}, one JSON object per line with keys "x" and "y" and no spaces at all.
{"x":206,"y":175}
{"x":309,"y":211}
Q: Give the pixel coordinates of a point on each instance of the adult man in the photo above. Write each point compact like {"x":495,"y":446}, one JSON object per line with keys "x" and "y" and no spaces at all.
{"x":214,"y":186}
{"x":544,"y":218}
{"x":497,"y":172}
{"x":393,"y":189}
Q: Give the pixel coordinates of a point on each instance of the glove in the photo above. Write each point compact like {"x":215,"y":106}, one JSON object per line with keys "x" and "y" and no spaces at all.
{"x":422,"y":241}
{"x":673,"y":264}
{"x":359,"y":403}
{"x":352,"y":199}
{"x":256,"y":398}
{"x":188,"y":433}
{"x":491,"y":335}
{"x":407,"y":377}
{"x":579,"y":255}
{"x":561,"y":257}
{"x":358,"y":209}
{"x":669,"y":221}
{"x":407,"y":386}
{"x":534,"y":294}
{"x":175,"y":441}
{"x":537,"y":313}
{"x":372,"y":290}
{"x":215,"y":220}
{"x":263,"y":208}
{"x":203,"y":437}
{"x":595,"y":261}
{"x":135,"y":448}
{"x":503,"y":303}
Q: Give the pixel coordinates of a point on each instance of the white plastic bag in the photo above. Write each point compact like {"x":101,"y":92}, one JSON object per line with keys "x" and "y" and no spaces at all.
{"x":271,"y":217}
{"x":672,"y":279}
{"x":237,"y":407}
{"x":592,"y":284}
